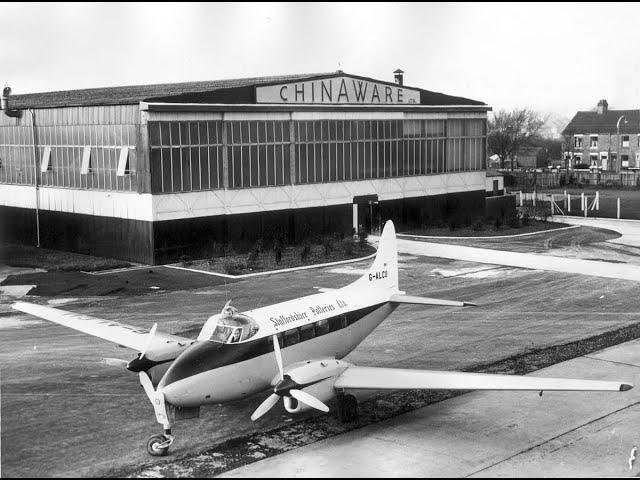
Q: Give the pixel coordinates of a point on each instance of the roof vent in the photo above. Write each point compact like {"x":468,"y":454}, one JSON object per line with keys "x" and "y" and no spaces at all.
{"x":397,"y":75}
{"x":603,"y":106}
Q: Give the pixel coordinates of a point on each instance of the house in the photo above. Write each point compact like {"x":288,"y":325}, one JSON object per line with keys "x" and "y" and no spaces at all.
{"x":607,"y":139}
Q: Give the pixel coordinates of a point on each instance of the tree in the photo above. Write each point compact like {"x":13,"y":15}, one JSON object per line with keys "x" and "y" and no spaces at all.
{"x":510,"y":131}
{"x":567,"y":146}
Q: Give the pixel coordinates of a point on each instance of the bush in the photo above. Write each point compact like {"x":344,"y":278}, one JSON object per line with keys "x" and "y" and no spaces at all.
{"x":327,"y":243}
{"x":228,"y":250}
{"x":526,"y":219}
{"x":514,"y":221}
{"x":259,"y":245}
{"x":452,"y":225}
{"x":252,"y":259}
{"x":277,"y":250}
{"x":234,"y":267}
{"x":362,"y":238}
{"x":478,"y":225}
{"x":498,"y":223}
{"x":347,"y":246}
{"x":304,"y":254}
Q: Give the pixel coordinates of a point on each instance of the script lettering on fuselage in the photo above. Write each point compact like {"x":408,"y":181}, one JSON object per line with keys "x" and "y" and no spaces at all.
{"x":320,"y":310}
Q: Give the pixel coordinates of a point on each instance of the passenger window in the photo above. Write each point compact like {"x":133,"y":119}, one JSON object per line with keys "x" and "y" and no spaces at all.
{"x":337,"y":323}
{"x":291,"y":337}
{"x":306,"y":332}
{"x":322,"y":328}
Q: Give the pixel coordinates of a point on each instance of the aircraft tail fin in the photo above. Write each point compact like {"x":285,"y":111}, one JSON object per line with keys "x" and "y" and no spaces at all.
{"x":383,"y":273}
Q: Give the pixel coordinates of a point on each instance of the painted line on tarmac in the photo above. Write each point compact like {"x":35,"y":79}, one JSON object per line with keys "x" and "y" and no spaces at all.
{"x":272,"y":272}
{"x":488,"y":237}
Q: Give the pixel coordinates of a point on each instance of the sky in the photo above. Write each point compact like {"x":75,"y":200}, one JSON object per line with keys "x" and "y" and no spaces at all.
{"x":555,"y":58}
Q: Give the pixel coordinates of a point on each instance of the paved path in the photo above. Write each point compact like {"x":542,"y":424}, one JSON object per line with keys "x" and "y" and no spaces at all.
{"x":490,"y":434}
{"x":629,"y":229}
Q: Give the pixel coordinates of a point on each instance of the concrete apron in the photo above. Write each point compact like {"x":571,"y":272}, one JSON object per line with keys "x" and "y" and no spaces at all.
{"x":489,"y":434}
{"x":629,"y":229}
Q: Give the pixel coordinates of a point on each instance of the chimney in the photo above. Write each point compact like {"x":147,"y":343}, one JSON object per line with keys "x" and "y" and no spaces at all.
{"x":397,"y":75}
{"x":602,"y":107}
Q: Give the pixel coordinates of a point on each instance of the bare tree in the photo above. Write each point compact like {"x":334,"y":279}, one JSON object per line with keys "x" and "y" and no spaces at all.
{"x":510,"y":131}
{"x":567,"y":147}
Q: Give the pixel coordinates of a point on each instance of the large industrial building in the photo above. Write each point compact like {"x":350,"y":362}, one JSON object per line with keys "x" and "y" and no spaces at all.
{"x":147,"y":173}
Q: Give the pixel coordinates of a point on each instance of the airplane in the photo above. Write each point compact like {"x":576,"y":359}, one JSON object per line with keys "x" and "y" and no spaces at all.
{"x":294,"y":347}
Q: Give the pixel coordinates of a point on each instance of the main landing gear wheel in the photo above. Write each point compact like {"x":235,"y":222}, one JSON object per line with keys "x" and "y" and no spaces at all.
{"x":158,"y":445}
{"x":347,"y":408}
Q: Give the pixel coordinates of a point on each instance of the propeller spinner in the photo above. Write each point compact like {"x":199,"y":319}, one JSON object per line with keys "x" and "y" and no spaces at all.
{"x":286,"y":387}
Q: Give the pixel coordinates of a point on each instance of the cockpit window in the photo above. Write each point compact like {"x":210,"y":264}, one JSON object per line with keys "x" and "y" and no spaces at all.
{"x":234,"y":329}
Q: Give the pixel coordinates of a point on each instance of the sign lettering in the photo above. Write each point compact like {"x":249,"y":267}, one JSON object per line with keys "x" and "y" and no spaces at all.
{"x":338,"y":90}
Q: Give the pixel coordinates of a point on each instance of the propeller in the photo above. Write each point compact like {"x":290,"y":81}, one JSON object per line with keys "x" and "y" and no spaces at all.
{"x":115,"y":362}
{"x":140,"y":363}
{"x":286,"y":387}
{"x":152,"y":332}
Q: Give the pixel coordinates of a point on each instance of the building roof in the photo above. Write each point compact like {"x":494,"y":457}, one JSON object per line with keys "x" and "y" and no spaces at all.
{"x":594,"y":122}
{"x":239,"y":90}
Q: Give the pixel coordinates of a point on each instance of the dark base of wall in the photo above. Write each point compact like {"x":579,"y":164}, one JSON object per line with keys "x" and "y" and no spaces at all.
{"x":501,"y":207}
{"x":167,"y":241}
{"x":100,"y":236}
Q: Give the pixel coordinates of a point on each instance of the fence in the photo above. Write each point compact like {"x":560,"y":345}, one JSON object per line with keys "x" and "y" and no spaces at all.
{"x":530,"y":181}
{"x":543,"y":204}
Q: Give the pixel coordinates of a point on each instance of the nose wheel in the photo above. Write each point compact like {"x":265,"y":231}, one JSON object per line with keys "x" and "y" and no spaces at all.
{"x":158,"y":445}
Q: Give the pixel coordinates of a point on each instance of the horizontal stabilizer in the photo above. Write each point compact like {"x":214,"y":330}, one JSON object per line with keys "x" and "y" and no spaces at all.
{"x":371,"y":378}
{"x":410,"y":299}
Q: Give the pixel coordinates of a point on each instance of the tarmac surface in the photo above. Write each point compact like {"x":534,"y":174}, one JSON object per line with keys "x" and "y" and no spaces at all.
{"x":490,"y":434}
{"x":64,"y":413}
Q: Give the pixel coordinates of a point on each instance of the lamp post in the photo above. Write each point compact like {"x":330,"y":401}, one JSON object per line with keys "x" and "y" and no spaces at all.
{"x":619,"y":155}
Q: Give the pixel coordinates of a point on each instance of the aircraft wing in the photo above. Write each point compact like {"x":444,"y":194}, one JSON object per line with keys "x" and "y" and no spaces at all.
{"x":127,"y":335}
{"x":370,"y":378}
{"x":413,"y":300}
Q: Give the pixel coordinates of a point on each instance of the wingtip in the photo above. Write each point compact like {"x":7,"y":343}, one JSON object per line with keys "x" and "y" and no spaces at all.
{"x":625,"y":386}
{"x":469,"y":304}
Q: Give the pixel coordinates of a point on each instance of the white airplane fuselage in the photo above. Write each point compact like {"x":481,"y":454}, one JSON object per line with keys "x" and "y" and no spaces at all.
{"x":332,"y":325}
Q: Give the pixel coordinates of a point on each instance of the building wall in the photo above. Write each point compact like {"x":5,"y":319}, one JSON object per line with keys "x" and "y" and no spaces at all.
{"x":201,"y":236}
{"x":62,"y":135}
{"x":608,"y":144}
{"x":193,"y":177}
{"x":113,"y":237}
{"x":209,"y":154}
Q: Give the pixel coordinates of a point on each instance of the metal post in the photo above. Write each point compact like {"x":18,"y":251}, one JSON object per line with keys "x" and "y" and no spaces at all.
{"x":582,"y":201}
{"x":568,"y":203}
{"x":618,"y":213}
{"x":598,"y":201}
{"x":586,"y":206}
{"x":35,"y":173}
{"x":565,"y":199}
{"x":520,"y":197}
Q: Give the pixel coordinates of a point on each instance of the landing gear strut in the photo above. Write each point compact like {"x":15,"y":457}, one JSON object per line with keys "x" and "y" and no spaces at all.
{"x":347,"y":408}
{"x":158,"y":445}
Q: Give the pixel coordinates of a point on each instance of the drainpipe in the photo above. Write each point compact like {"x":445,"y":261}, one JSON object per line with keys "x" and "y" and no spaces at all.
{"x":35,"y":172}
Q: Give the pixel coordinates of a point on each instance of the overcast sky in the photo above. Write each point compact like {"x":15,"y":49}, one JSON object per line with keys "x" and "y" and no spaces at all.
{"x":552,"y":57}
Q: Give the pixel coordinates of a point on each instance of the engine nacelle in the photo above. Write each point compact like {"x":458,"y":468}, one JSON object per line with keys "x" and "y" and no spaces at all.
{"x":316,"y":378}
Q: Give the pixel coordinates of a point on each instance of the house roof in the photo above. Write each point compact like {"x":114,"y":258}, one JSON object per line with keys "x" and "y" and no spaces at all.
{"x":239,"y":90}
{"x":593,"y":122}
